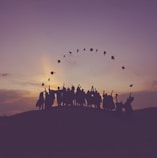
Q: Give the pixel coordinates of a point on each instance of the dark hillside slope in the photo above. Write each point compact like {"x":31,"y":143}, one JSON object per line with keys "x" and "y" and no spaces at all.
{"x":79,"y":132}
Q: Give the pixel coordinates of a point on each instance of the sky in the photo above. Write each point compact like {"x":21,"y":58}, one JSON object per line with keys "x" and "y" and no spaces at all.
{"x":35,"y":34}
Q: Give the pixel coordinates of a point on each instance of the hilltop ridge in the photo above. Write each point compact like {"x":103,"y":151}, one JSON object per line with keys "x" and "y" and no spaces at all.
{"x":79,"y":132}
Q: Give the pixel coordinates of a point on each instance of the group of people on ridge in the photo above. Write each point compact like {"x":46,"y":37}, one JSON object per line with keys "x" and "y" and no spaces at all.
{"x":78,"y":97}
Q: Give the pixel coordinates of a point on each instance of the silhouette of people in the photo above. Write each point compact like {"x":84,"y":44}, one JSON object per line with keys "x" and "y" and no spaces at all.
{"x":91,"y":99}
{"x":126,"y":106}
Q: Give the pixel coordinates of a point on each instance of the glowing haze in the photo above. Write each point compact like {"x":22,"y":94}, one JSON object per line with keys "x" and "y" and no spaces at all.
{"x":34,"y":34}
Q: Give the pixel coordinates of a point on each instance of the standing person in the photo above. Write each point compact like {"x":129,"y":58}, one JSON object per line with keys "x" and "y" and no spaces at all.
{"x":47,"y":101}
{"x":73,"y":95}
{"x":97,"y":99}
{"x":51,"y":97}
{"x":119,"y":105}
{"x":127,"y":105}
{"x":59,"y":96}
{"x":105,"y":97}
{"x":40,"y":102}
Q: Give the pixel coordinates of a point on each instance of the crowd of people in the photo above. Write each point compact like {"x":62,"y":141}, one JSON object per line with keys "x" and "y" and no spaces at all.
{"x":78,"y":97}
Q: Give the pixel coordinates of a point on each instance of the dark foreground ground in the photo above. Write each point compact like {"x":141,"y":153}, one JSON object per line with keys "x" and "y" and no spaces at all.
{"x":79,"y":132}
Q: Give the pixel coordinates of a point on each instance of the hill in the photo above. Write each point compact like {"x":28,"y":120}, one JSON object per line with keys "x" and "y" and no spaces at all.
{"x":79,"y":132}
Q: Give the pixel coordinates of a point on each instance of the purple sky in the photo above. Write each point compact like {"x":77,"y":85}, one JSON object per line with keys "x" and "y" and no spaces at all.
{"x":34,"y":34}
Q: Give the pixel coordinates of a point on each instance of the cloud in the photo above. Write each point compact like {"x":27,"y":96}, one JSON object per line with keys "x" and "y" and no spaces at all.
{"x":13,"y":101}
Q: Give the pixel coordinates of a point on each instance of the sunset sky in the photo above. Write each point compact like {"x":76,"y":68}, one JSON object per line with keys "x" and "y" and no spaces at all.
{"x":34,"y":34}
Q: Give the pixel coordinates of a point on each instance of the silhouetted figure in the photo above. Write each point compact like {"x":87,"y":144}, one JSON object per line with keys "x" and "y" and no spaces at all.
{"x":59,"y":96}
{"x":119,"y":105}
{"x":63,"y":96}
{"x":104,"y":96}
{"x":97,"y":99}
{"x":92,"y":89}
{"x":73,"y":95}
{"x":47,"y":101}
{"x":108,"y":103}
{"x":80,"y":96}
{"x":127,"y":105}
{"x":88,"y":98}
{"x":40,"y":102}
{"x":52,"y":97}
{"x":68,"y":97}
{"x":77,"y":96}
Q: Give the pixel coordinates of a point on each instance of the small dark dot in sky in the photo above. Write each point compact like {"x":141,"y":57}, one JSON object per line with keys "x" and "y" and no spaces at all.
{"x":131,"y":85}
{"x":112,"y":57}
{"x":77,"y":50}
{"x":59,"y":61}
{"x":123,"y":67}
{"x":48,"y":79}
{"x":52,"y":72}
{"x":70,"y":52}
{"x":104,"y":52}
{"x":43,"y":84}
{"x":96,"y":50}
{"x":64,"y":56}
{"x":84,"y":49}
{"x":91,"y":49}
